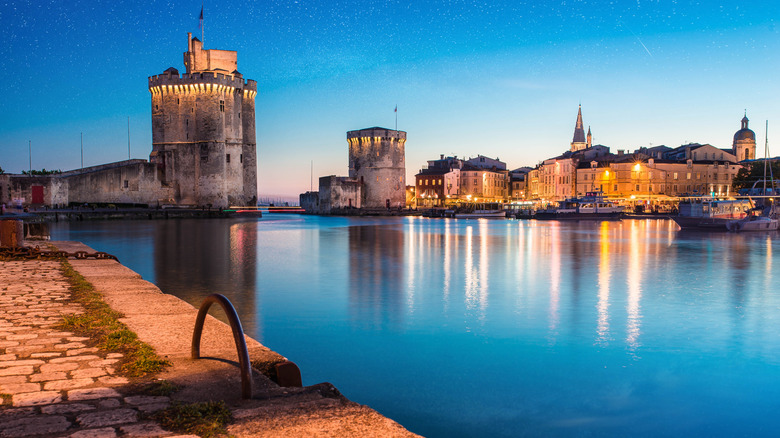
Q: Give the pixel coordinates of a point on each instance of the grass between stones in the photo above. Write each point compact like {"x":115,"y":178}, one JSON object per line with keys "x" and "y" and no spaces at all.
{"x":101,"y":323}
{"x":206,"y":419}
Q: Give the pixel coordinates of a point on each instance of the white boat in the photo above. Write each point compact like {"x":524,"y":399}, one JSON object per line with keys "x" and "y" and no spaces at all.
{"x":753,"y":223}
{"x":592,"y":206}
{"x":710,"y":214}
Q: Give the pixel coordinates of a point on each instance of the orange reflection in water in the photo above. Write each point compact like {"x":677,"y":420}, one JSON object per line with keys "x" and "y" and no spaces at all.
{"x":634,"y":283}
{"x":604,"y":277}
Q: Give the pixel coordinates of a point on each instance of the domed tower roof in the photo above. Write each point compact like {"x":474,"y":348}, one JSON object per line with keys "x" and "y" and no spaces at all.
{"x":745,"y":133}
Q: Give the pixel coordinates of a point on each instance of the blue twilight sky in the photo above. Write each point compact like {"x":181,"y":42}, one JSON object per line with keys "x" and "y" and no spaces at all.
{"x":498,"y":78}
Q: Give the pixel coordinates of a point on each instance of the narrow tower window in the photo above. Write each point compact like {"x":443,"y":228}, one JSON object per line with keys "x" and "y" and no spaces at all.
{"x":222,"y":105}
{"x":227,"y":158}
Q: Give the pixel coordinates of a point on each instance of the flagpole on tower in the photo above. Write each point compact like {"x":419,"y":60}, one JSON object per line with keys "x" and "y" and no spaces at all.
{"x":200,"y":22}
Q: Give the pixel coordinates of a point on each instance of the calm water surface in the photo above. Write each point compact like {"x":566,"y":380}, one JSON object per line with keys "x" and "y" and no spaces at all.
{"x":494,"y":328}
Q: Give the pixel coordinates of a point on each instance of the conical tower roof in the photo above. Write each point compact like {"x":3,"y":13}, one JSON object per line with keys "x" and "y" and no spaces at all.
{"x":579,"y":132}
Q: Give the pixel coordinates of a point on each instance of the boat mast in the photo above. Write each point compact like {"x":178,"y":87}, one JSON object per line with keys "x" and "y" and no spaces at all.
{"x":766,"y":153}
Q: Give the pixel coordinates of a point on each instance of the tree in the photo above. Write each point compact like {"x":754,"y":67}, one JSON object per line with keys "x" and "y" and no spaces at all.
{"x":754,"y":172}
{"x":42,"y":172}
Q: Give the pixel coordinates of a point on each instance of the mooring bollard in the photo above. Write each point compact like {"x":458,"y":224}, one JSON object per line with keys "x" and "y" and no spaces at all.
{"x":11,"y":233}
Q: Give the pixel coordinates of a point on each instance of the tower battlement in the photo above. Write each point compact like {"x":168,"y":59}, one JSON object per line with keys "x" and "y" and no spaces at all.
{"x":204,"y":82}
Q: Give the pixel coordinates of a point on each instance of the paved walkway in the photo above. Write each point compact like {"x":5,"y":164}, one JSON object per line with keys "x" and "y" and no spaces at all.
{"x":54,"y":384}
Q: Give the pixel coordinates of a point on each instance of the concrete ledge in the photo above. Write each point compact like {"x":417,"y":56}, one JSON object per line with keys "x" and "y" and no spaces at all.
{"x":166,"y":323}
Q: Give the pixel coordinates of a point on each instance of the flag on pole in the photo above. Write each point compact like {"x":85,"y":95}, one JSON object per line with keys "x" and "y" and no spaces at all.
{"x":200,"y":20}
{"x":396,"y":108}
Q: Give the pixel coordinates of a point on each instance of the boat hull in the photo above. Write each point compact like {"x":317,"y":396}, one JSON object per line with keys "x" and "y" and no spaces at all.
{"x":493,"y":215}
{"x":546,"y":215}
{"x":702,"y":223}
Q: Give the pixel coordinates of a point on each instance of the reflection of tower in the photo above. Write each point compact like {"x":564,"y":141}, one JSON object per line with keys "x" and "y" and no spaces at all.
{"x":376,"y":159}
{"x":376,"y":271}
{"x":203,"y":129}
{"x":195,"y":258}
{"x":744,"y":145}
{"x":578,"y":142}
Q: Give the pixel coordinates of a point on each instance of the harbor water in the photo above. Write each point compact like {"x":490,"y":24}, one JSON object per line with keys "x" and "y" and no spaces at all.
{"x":493,"y":327}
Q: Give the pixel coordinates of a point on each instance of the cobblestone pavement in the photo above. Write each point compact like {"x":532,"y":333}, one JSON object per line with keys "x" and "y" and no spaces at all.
{"x":55,"y":383}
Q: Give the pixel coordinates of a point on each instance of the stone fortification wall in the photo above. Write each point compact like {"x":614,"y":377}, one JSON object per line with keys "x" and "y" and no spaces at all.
{"x":338,"y":194}
{"x":310,"y":202}
{"x":136,"y":182}
{"x":125,"y":182}
{"x":19,"y":188}
{"x":377,"y":160}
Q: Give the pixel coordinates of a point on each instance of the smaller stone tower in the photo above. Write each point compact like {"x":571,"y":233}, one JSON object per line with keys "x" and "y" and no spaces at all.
{"x":377,"y":161}
{"x":578,"y":143}
{"x":744,"y":145}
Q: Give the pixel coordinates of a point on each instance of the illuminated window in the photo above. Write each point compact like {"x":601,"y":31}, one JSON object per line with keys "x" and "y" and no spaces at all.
{"x":675,"y":176}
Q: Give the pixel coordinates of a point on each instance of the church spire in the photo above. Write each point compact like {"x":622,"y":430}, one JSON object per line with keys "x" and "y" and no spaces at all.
{"x":579,"y":132}
{"x":578,"y":142}
{"x":590,"y":138}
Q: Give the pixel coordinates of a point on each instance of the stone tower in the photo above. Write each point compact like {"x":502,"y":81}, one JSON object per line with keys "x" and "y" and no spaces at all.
{"x":744,"y":145}
{"x":578,"y":142}
{"x":377,"y":160}
{"x":203,"y":130}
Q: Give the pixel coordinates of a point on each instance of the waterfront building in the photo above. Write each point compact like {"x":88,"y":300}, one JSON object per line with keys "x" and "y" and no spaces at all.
{"x":656,"y":174}
{"x":636,"y":177}
{"x":438,"y":184}
{"x":479,"y":184}
{"x":518,"y":184}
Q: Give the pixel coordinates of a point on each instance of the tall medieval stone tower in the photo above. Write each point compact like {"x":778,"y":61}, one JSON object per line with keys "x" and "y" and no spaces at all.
{"x":203,"y":130}
{"x":377,"y":160}
{"x":744,"y":145}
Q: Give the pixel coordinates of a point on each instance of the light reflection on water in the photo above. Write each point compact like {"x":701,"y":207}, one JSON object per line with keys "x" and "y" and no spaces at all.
{"x":500,"y":328}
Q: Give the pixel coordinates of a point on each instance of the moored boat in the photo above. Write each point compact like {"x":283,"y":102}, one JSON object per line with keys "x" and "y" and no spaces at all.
{"x":753,"y":223}
{"x":710,"y":213}
{"x":592,"y":206}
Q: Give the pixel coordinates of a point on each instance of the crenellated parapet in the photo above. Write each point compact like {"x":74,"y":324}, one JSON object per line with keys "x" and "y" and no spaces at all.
{"x":203,"y":82}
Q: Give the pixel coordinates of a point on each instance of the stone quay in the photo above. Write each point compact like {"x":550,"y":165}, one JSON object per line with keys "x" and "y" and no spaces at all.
{"x":56,"y":383}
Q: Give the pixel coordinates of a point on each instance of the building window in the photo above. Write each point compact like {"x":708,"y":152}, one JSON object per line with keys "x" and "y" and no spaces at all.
{"x":222,"y":105}
{"x":227,"y":158}
{"x":126,"y":184}
{"x":241,"y":158}
{"x":637,"y":187}
{"x":675,"y":176}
